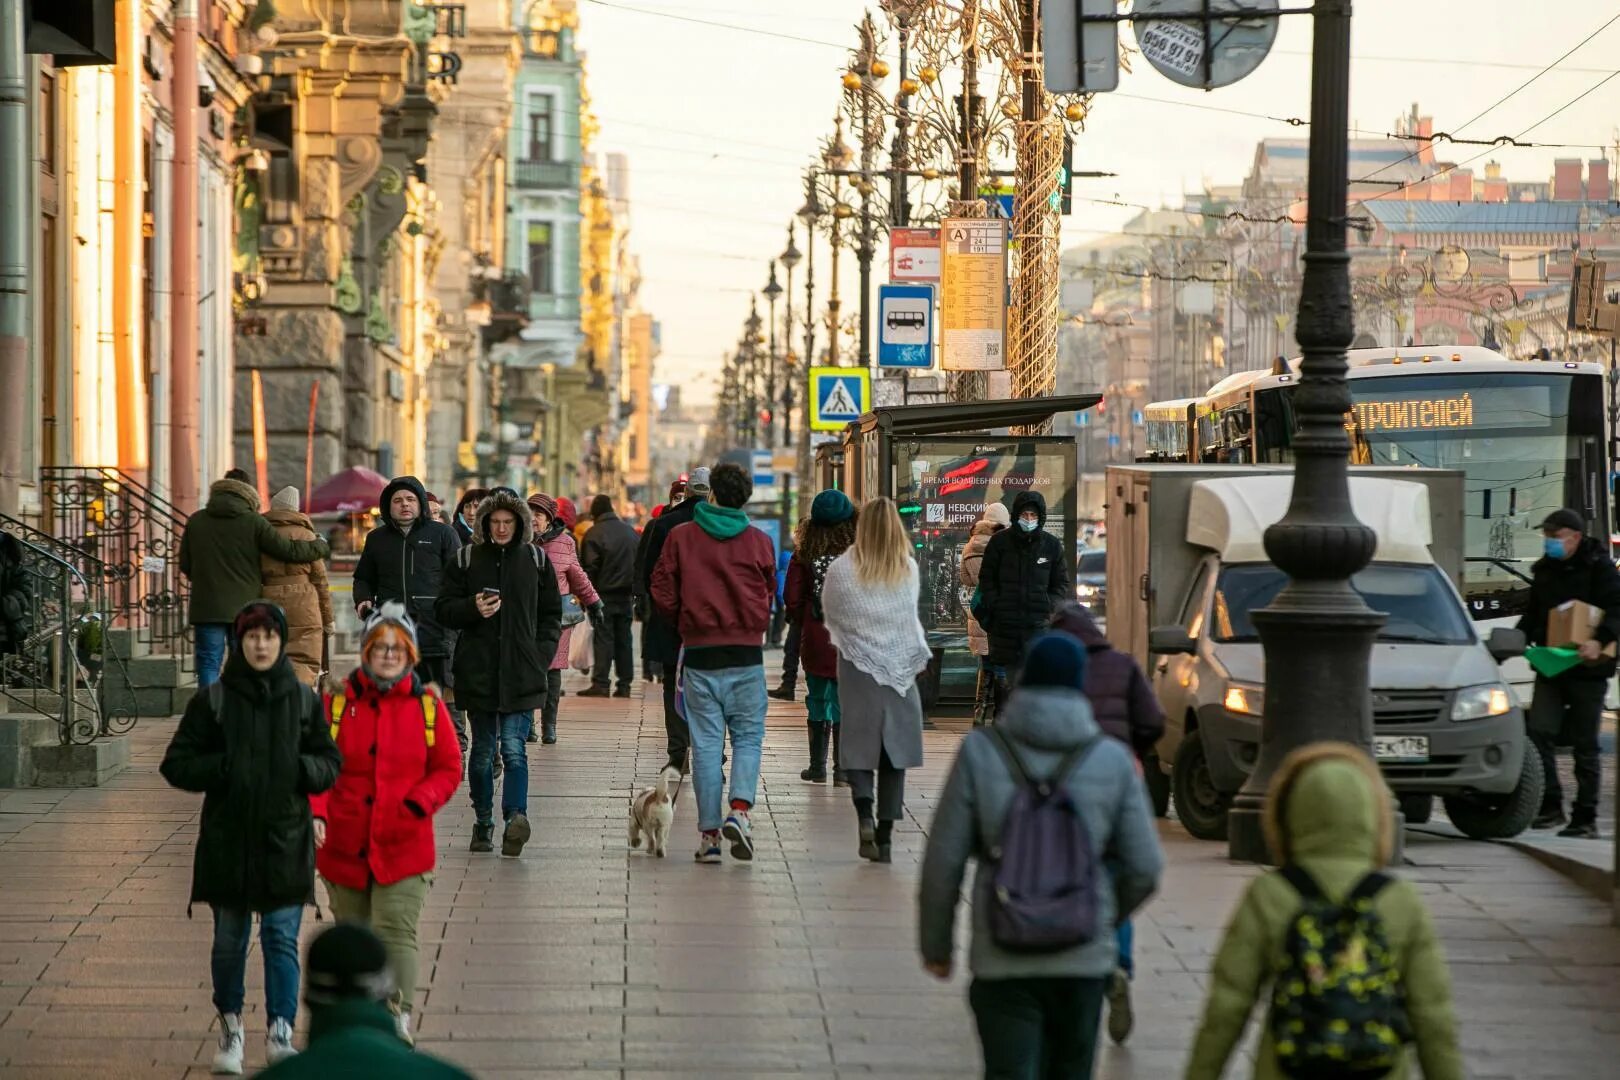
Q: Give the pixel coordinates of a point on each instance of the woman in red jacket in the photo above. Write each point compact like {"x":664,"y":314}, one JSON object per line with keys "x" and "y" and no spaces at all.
{"x":374,"y":828}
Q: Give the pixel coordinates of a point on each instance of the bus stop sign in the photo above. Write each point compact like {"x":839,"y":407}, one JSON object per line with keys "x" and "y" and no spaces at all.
{"x":906,"y":326}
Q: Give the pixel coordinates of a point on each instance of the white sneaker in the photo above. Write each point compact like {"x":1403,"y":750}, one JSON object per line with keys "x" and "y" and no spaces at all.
{"x":402,"y":1024}
{"x":740,"y":833}
{"x":278,"y":1045}
{"x":228,"y":1058}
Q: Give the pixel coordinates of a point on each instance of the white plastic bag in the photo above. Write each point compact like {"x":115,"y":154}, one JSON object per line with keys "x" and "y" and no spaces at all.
{"x":582,"y":647}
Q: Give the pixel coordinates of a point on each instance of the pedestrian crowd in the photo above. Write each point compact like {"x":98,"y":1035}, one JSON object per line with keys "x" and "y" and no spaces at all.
{"x":466,"y":632}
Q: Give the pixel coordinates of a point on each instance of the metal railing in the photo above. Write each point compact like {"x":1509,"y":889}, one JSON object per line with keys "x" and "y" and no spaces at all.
{"x":545,"y":175}
{"x":54,"y":652}
{"x":135,"y":535}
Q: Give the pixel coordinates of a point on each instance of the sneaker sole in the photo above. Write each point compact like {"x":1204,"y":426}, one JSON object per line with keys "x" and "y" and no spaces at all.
{"x":1121,"y":1017}
{"x":709,"y":859}
{"x":225,"y":1070}
{"x":742,"y":846}
{"x":516,"y":835}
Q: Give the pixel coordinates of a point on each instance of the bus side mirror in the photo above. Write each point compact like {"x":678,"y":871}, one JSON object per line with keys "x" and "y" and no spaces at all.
{"x":1170,"y":641}
{"x":1505,"y":643}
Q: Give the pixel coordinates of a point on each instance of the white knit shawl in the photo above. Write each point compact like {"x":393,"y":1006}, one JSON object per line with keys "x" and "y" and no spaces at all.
{"x":875,"y":627}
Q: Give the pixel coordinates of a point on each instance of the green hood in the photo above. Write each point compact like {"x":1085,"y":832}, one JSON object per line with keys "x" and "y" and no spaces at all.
{"x":720,"y":522}
{"x":231,"y":498}
{"x":1332,"y":815}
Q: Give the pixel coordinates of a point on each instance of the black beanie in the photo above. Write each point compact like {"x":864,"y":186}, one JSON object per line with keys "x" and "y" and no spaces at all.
{"x":345,"y":963}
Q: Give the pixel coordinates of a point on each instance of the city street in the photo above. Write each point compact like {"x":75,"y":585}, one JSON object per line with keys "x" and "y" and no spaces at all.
{"x":583,"y":960}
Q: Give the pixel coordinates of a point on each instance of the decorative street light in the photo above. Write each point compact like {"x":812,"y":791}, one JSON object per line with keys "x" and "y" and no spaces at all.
{"x":773,"y":292}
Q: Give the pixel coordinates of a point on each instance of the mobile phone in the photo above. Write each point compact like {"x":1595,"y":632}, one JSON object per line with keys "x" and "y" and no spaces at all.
{"x":489,"y":592}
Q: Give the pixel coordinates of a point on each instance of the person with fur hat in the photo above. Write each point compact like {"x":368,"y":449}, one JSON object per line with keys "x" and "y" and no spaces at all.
{"x":374,"y":828}
{"x":553,"y":539}
{"x":219,"y":554}
{"x":820,"y":538}
{"x":351,"y":1033}
{"x":1037,"y":1006}
{"x":1330,"y":826}
{"x":501,"y":594}
{"x":256,"y":745}
{"x":300,"y":589}
{"x":995,"y":519}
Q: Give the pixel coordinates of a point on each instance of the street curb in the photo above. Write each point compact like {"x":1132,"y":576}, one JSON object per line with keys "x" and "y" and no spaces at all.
{"x":1597,"y":880}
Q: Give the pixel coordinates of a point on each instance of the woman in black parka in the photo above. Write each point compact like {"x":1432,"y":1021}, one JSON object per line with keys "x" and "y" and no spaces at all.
{"x":256,"y":745}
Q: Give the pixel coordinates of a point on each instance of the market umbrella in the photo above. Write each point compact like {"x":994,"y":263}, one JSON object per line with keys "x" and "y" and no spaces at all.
{"x":352,"y":491}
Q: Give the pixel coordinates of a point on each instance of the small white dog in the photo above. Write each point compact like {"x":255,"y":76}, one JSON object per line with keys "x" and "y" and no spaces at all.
{"x":652,"y":812}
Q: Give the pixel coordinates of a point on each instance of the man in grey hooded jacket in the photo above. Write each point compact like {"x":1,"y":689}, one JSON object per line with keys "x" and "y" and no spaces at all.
{"x":1038,"y":1006}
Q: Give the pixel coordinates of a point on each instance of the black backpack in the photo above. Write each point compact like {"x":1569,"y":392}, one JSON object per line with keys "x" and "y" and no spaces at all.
{"x":1047,"y":872}
{"x":1338,"y":1009}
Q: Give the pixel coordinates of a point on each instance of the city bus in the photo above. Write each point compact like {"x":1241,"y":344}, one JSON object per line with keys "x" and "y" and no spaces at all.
{"x":1529,"y":437}
{"x":1167,"y":428}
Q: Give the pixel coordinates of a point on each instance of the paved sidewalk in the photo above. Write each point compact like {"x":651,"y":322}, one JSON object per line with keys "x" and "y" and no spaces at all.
{"x":583,"y":961}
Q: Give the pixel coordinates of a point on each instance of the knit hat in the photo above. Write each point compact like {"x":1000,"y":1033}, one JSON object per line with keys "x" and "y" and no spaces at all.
{"x":541,"y":503}
{"x":677,"y":490}
{"x":601,"y":505}
{"x":831,"y":507}
{"x":390,"y":620}
{"x":1055,"y":660}
{"x":347,"y":962}
{"x":697,"y":484}
{"x":285,"y":499}
{"x":566,"y":512}
{"x":1564,"y":519}
{"x":996,"y":514}
{"x":259,"y":615}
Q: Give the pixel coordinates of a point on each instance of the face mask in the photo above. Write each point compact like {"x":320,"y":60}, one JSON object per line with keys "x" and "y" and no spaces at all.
{"x":1554,"y":547}
{"x":1028,"y":526}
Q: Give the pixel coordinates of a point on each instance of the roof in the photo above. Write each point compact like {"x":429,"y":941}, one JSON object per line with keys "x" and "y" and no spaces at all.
{"x":955,"y":417}
{"x":1409,"y":360}
{"x":1481,"y":217}
{"x":1230,"y":516}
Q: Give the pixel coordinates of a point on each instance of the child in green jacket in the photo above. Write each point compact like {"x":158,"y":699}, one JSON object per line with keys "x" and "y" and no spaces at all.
{"x":1328,"y":813}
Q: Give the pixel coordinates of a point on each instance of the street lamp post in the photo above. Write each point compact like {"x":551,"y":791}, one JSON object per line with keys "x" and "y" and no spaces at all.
{"x":1317,"y":633}
{"x":808,"y":213}
{"x":790,"y":258}
{"x":773,"y":292}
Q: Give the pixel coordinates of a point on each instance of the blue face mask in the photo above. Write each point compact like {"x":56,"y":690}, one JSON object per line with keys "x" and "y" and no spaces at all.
{"x":1554,"y":547}
{"x":1028,"y":526}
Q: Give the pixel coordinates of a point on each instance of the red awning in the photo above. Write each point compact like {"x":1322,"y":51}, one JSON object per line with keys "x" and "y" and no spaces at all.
{"x":352,"y":491}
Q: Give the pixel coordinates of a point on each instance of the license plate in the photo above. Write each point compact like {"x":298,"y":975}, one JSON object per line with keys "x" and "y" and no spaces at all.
{"x":1401,"y":747}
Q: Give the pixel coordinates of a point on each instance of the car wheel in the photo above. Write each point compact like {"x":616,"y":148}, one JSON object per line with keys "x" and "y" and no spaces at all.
{"x":1417,"y":809}
{"x":1201,"y":808}
{"x":1497,"y":817}
{"x":1158,"y":784}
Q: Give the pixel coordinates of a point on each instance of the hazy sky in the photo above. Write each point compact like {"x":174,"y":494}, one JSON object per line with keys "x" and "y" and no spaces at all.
{"x":719,"y":124}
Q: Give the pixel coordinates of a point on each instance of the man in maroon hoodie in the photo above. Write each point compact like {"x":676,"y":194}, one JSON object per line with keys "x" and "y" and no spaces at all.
{"x":715,"y":579}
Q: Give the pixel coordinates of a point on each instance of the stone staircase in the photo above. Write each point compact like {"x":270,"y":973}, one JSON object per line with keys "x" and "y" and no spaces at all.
{"x":157,"y":684}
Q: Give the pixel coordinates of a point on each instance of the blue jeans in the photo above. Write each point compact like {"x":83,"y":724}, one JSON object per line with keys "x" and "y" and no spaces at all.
{"x":1125,"y":937}
{"x":211,"y":641}
{"x":278,"y":940}
{"x":717,"y":701}
{"x":510,"y":730}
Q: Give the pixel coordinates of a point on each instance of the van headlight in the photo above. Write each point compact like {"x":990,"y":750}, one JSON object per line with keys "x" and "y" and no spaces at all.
{"x":1245,"y":699}
{"x":1479,"y":702}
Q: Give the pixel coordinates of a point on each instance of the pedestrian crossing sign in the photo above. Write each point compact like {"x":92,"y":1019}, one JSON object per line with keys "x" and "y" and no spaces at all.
{"x":838,"y":396}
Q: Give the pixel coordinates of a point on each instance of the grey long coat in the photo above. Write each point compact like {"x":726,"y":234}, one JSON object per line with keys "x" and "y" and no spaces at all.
{"x":875,"y":719}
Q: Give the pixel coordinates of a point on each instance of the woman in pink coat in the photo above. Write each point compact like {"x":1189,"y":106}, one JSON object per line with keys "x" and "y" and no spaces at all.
{"x":551,"y":536}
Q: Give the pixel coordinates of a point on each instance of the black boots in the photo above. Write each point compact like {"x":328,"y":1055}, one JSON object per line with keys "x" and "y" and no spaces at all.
{"x":839,"y":779}
{"x":884,"y":834}
{"x":817,"y":772}
{"x":868,"y":829}
{"x":785,"y":692}
{"x":483,"y":838}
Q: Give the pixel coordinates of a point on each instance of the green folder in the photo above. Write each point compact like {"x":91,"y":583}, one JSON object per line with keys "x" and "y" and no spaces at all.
{"x":1551,"y":662}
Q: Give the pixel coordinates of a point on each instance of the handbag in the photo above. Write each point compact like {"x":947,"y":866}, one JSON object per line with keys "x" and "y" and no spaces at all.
{"x":582,"y":648}
{"x":573,"y":612}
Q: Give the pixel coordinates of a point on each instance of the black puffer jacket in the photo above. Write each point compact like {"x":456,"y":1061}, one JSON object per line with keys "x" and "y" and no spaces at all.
{"x":1022,"y":581}
{"x":609,"y":558}
{"x":1122,"y":699}
{"x":1587,"y":575}
{"x":501,"y":662}
{"x":660,"y":638}
{"x":257,"y":760}
{"x":408,"y":567}
{"x":16,"y":598}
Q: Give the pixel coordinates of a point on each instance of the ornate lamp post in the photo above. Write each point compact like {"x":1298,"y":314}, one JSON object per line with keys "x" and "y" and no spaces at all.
{"x":773,"y":292}
{"x":789,"y":258}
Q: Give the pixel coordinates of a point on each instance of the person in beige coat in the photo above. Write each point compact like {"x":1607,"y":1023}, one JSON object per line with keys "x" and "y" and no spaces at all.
{"x":994,"y":520}
{"x":299,"y":589}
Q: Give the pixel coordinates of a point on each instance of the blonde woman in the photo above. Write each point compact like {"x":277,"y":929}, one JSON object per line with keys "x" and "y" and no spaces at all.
{"x":869,"y":599}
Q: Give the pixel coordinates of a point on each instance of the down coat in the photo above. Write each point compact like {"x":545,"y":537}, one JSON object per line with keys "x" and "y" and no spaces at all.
{"x":1122,"y":699}
{"x":968,"y":571}
{"x":379,"y":814}
{"x":815,"y":646}
{"x":220,"y":550}
{"x":301,"y":591}
{"x":408,"y":565}
{"x":660,"y":638}
{"x":571,"y":580}
{"x":1024,"y":578}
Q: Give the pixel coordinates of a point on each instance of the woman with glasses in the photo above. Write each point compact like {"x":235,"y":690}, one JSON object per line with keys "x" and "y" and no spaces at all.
{"x":374,"y":828}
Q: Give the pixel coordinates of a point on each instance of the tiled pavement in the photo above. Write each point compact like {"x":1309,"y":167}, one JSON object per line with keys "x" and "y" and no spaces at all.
{"x":580,"y":960}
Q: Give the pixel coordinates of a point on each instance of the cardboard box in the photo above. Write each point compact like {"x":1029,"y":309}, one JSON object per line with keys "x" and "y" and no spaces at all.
{"x":1572,"y":623}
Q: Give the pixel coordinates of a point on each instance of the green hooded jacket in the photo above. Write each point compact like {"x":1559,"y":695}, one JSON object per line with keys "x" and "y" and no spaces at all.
{"x":355,"y":1040}
{"x":220,"y":549}
{"x":1337,"y":825}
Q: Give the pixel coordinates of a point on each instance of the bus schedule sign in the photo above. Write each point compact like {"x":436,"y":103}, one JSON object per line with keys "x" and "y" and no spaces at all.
{"x":973,"y":294}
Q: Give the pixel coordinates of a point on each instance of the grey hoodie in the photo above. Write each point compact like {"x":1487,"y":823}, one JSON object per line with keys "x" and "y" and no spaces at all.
{"x":1044,"y":724}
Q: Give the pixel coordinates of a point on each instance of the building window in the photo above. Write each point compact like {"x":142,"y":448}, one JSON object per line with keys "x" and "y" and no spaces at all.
{"x":540,"y":126}
{"x":541,"y":258}
{"x":47,"y":123}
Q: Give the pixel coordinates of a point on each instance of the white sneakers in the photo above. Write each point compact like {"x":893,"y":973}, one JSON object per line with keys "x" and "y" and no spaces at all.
{"x":228,"y":1059}
{"x":278,"y":1045}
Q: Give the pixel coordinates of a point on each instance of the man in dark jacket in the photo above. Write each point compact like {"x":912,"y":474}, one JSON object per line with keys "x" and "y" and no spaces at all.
{"x":501,"y":594}
{"x":1570,"y":706}
{"x":256,"y":745}
{"x":660,"y":637}
{"x":609,"y":558}
{"x":1023,"y":579}
{"x":219,"y":554}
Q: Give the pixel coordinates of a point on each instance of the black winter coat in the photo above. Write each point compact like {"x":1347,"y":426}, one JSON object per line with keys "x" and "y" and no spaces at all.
{"x":1122,"y":699}
{"x":609,"y":558}
{"x":408,"y":567}
{"x":256,"y":762}
{"x":660,"y":638}
{"x":16,"y":598}
{"x":501,"y":662}
{"x":1023,"y":579}
{"x":1587,"y":575}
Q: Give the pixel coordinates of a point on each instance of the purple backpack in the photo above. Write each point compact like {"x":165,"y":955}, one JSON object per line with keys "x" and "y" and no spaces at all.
{"x":1044,"y":893}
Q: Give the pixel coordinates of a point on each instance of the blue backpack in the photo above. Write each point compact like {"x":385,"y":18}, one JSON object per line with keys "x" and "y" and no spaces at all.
{"x":1047,"y":873}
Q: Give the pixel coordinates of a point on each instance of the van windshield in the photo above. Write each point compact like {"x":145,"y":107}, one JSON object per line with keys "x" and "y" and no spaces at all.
{"x":1419,"y":606}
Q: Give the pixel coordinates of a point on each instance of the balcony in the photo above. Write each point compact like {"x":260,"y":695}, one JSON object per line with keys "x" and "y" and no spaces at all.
{"x":546,"y":175}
